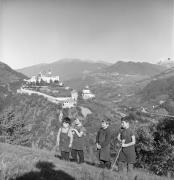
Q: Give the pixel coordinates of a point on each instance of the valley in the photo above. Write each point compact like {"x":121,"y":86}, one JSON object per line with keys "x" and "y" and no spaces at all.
{"x":147,"y":98}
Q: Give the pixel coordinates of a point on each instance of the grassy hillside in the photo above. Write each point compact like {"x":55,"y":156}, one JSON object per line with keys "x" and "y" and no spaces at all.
{"x":33,"y":121}
{"x":21,"y":163}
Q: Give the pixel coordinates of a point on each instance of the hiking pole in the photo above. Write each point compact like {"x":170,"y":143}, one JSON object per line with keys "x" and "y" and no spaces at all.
{"x":116,"y":159}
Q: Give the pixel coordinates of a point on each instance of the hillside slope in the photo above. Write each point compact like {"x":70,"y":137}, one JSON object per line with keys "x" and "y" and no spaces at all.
{"x":132,"y":68}
{"x":66,"y":68}
{"x":21,"y":163}
{"x":155,"y":88}
{"x":10,"y":80}
{"x":8,"y":75}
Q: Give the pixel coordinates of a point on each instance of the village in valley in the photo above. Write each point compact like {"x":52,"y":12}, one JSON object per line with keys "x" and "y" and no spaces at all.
{"x":54,"y":90}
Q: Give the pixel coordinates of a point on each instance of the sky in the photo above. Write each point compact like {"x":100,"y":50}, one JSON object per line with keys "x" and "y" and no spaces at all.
{"x":44,"y":31}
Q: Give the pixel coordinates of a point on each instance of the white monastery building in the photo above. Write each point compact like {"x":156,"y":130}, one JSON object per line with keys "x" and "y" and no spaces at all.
{"x":48,"y":78}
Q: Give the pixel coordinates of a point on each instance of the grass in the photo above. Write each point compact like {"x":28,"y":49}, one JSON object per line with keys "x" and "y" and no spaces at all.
{"x":21,"y":163}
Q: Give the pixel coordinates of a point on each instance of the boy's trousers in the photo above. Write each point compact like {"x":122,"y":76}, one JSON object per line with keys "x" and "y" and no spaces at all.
{"x":77,"y":154}
{"x":105,"y":164}
{"x":65,"y":155}
{"x":125,"y":167}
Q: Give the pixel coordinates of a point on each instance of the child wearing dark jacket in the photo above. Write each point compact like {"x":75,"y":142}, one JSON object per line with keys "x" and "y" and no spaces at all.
{"x":103,"y":144}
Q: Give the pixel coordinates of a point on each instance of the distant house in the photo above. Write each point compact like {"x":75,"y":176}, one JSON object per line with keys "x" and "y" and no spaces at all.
{"x":161,"y":111}
{"x":69,"y":103}
{"x":161,"y":102}
{"x":86,"y":94}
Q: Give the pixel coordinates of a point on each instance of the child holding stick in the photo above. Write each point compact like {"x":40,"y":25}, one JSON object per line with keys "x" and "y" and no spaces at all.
{"x":127,"y":156}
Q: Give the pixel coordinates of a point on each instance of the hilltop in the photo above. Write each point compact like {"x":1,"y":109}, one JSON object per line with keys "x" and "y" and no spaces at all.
{"x":21,"y":163}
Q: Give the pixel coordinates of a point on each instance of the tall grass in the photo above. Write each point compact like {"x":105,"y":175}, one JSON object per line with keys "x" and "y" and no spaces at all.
{"x":20,"y":163}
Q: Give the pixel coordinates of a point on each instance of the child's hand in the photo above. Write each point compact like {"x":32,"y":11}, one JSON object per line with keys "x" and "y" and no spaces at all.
{"x":98,"y":146}
{"x":70,"y":145}
{"x":74,"y":130}
{"x":56,"y":148}
{"x":124,"y":145}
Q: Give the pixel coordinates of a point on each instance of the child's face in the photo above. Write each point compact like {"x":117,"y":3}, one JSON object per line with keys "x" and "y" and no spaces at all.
{"x":124,"y":124}
{"x":77,"y":122}
{"x":65,"y":125}
{"x":104,"y":125}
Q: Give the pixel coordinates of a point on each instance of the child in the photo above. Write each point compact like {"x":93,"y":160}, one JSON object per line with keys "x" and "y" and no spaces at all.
{"x":65,"y":138}
{"x":78,"y":141}
{"x":127,"y":156}
{"x":103,"y":144}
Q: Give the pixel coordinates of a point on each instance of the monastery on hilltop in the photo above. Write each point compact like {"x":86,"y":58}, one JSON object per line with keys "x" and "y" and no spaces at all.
{"x":42,"y":85}
{"x":48,"y":78}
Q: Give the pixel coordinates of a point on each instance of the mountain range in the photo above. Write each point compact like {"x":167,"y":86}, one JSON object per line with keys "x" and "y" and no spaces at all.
{"x":66,"y":68}
{"x":106,"y":80}
{"x":74,"y":68}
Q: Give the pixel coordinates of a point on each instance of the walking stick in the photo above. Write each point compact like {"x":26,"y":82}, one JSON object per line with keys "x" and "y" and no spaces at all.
{"x":116,"y":159}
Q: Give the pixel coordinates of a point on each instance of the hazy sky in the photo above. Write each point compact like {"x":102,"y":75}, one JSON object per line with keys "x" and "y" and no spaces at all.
{"x":43,"y":31}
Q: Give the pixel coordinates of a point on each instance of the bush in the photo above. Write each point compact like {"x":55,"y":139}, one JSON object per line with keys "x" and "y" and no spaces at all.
{"x":155,"y":148}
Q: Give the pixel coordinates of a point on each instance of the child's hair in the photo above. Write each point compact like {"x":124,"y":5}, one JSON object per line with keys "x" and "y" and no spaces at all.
{"x":107,"y":120}
{"x":126,"y":119}
{"x":66,"y":120}
{"x":80,"y":119}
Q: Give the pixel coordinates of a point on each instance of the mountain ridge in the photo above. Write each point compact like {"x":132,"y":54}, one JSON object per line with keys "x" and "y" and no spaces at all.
{"x":76,"y":68}
{"x":65,"y":68}
{"x":142,"y":68}
{"x":8,"y":75}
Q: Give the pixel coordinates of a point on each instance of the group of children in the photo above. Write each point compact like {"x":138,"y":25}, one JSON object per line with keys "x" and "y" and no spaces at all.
{"x":70,"y":139}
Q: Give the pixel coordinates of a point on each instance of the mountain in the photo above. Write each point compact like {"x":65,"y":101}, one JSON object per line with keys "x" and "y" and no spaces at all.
{"x":135,"y":68}
{"x":155,"y":92}
{"x":66,"y":68}
{"x":165,"y":74}
{"x":159,"y":87}
{"x":9,"y":80}
{"x":8,"y":75}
